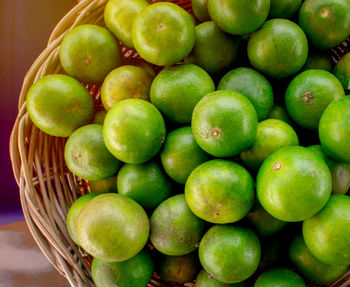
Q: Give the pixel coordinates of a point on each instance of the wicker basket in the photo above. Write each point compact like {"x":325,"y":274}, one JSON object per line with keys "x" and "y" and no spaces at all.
{"x":47,"y":188}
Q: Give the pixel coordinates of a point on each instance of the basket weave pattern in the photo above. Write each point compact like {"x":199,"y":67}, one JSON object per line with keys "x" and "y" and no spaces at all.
{"x":47,"y":188}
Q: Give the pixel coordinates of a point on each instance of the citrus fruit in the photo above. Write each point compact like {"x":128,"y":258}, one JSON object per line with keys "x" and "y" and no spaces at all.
{"x":327,"y":234}
{"x":293,"y":184}
{"x":163,"y":34}
{"x":319,"y":151}
{"x":264,"y":224}
{"x":89,"y":52}
{"x":310,"y":267}
{"x":112,"y":227}
{"x":200,"y":10}
{"x":237,"y":17}
{"x":105,"y":185}
{"x":176,"y":90}
{"x":326,"y":22}
{"x":204,"y":279}
{"x":340,"y":178}
{"x":145,"y":183}
{"x":59,"y":104}
{"x":230,"y":254}
{"x":178,"y":269}
{"x":284,"y":8}
{"x":280,"y":277}
{"x":308,"y":95}
{"x":214,"y":50}
{"x":99,"y":117}
{"x":224,"y":123}
{"x":73,"y":213}
{"x":271,"y":135}
{"x":119,"y":15}
{"x":87,"y":156}
{"x":125,"y":82}
{"x":135,"y":272}
{"x":279,"y":113}
{"x":334,"y":130}
{"x":134,"y":131}
{"x":318,"y":60}
{"x":220,"y":191}
{"x":252,"y":85}
{"x":342,"y":71}
{"x":181,"y":154}
{"x":175,"y":230}
{"x":279,"y":49}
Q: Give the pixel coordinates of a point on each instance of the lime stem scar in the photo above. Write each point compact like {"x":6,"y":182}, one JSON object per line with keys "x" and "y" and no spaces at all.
{"x":215,"y":132}
{"x":307,"y":97}
{"x":87,"y":61}
{"x":277,"y":166}
{"x":325,"y":12}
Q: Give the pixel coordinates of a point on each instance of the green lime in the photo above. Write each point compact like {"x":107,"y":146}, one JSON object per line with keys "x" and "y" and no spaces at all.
{"x":279,"y":277}
{"x":319,"y":151}
{"x":181,"y":154}
{"x":59,"y":104}
{"x":252,"y":85}
{"x":318,"y":60}
{"x":342,"y":71}
{"x":175,"y":230}
{"x":334,"y":130}
{"x":112,"y":227}
{"x":145,"y":183}
{"x":326,"y":22}
{"x":87,"y":156}
{"x":89,"y":52}
{"x":73,"y":213}
{"x":309,"y":94}
{"x":176,"y":90}
{"x":224,"y":123}
{"x":220,"y":191}
{"x":125,"y":82}
{"x":200,"y":10}
{"x":204,"y":279}
{"x":214,"y":50}
{"x":238,"y":17}
{"x":293,"y":184}
{"x":271,"y":135}
{"x":119,"y":16}
{"x":134,"y":131}
{"x":327,"y":234}
{"x":229,"y":253}
{"x":135,"y":272}
{"x":99,"y":117}
{"x":284,"y":8}
{"x":310,"y":267}
{"x":163,"y":33}
{"x":279,"y":113}
{"x":106,"y":185}
{"x":279,"y":49}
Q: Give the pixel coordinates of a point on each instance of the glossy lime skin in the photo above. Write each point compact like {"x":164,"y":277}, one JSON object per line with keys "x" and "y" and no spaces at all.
{"x":326,"y":22}
{"x":145,"y":183}
{"x":318,"y":60}
{"x":99,"y":117}
{"x":89,"y":52}
{"x":112,"y":227}
{"x":230,"y":253}
{"x":220,"y":191}
{"x":284,"y":8}
{"x":175,"y":230}
{"x":309,"y":94}
{"x":293,"y":184}
{"x":73,"y":213}
{"x":105,"y":185}
{"x":181,"y":154}
{"x":280,"y":113}
{"x":176,"y":90}
{"x":271,"y":135}
{"x":252,"y":85}
{"x":214,"y":50}
{"x":224,"y":123}
{"x":178,"y":269}
{"x":59,"y":104}
{"x":310,"y":267}
{"x":279,"y":49}
{"x":87,"y":156}
{"x":279,"y":277}
{"x":327,"y":234}
{"x":119,"y":15}
{"x":135,"y":272}
{"x":125,"y":82}
{"x":342,"y":71}
{"x":264,"y":224}
{"x":238,"y":17}
{"x":200,"y":10}
{"x":134,"y":131}
{"x":319,"y":151}
{"x":334,"y":130}
{"x":206,"y":280}
{"x":163,"y":34}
